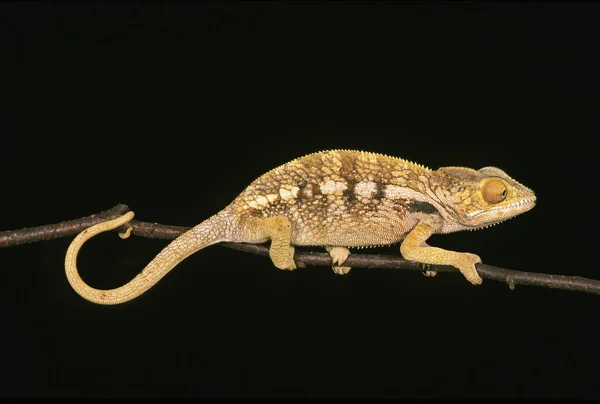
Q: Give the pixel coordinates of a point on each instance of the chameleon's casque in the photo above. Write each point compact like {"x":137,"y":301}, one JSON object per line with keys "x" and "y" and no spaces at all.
{"x":337,"y":199}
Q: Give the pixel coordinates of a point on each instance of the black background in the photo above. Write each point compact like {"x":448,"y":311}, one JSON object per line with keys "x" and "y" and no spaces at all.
{"x":174,"y":108}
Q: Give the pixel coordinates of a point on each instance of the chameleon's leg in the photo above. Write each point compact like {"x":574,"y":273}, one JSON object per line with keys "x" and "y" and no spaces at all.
{"x":415,"y":248}
{"x":339,"y":255}
{"x":279,"y":230}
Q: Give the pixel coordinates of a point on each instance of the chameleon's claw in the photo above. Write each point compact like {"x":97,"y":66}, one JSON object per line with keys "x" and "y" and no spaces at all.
{"x":341,"y":270}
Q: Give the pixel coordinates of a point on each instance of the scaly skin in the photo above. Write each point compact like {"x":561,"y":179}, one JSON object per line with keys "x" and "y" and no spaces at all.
{"x":337,"y":199}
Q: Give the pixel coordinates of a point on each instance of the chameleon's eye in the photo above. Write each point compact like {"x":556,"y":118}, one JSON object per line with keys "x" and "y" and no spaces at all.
{"x":494,"y":191}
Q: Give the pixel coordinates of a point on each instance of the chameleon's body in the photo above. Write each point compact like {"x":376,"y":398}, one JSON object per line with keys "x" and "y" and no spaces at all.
{"x":337,"y":199}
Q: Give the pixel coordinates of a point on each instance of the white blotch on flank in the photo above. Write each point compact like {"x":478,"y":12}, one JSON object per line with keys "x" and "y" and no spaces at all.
{"x":340,"y":187}
{"x":262,"y":200}
{"x":365,"y":189}
{"x":328,"y":187}
{"x":331,"y":187}
{"x":285,"y":194}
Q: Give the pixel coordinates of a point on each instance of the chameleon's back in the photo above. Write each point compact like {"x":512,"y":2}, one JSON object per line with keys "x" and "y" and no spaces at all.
{"x":339,"y":197}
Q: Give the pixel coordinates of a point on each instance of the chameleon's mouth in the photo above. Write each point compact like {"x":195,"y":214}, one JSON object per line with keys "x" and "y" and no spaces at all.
{"x":520,"y":206}
{"x":499,"y":214}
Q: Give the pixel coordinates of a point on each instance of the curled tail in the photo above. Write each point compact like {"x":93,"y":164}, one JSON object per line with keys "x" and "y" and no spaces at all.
{"x":211,"y":231}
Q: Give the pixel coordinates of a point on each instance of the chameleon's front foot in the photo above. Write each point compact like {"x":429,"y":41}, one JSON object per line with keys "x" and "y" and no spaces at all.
{"x":339,"y":255}
{"x":415,"y":248}
{"x":465,"y":262}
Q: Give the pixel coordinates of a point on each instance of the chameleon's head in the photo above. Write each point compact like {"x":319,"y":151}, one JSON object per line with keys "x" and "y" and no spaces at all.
{"x":481,"y":198}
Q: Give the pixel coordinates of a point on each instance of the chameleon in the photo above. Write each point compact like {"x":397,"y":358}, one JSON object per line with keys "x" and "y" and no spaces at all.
{"x":336,"y":199}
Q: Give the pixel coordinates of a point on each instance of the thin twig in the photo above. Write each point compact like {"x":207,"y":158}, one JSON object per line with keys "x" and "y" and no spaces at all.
{"x":67,"y":228}
{"x":302,"y":258}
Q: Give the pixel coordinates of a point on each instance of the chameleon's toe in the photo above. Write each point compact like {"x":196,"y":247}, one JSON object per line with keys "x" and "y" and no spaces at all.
{"x":339,"y":255}
{"x":341,"y":270}
{"x":466,"y":265}
{"x":429,"y":273}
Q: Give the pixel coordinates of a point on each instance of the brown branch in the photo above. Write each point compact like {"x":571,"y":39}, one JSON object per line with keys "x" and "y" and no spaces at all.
{"x":28,"y":235}
{"x":302,"y":258}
